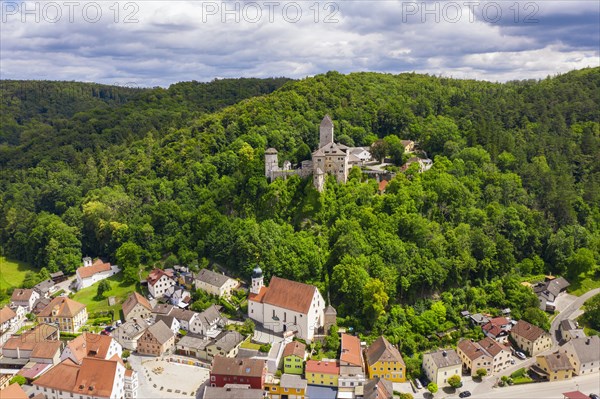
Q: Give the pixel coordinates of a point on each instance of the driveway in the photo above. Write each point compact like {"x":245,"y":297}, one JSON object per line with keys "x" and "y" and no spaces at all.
{"x":573,"y":308}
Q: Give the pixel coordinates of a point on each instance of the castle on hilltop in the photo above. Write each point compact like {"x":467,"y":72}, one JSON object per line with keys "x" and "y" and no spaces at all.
{"x":330,"y":158}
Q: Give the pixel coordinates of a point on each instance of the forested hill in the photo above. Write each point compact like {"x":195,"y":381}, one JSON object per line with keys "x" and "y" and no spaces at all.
{"x":50,"y":117}
{"x":514,"y":190}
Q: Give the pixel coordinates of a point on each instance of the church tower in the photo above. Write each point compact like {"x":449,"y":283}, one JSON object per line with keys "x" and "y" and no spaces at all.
{"x":325,"y":132}
{"x":257,"y":280}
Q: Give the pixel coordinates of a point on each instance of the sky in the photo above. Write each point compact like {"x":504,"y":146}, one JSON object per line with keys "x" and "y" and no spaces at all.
{"x":147,"y":43}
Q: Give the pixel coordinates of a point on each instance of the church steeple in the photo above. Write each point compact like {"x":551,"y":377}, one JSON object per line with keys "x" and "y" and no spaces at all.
{"x":257,"y":280}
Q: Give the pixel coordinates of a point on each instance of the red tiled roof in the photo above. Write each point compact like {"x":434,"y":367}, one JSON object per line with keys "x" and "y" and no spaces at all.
{"x":238,"y":367}
{"x":323,"y":366}
{"x":6,"y":314}
{"x":294,"y":348}
{"x":527,"y":330}
{"x":90,"y":345}
{"x":13,"y":391}
{"x":156,"y":274}
{"x":133,"y":299}
{"x":350,"y":350}
{"x":66,"y":307}
{"x":97,"y":267}
{"x":287,"y":294}
{"x":21,"y":294}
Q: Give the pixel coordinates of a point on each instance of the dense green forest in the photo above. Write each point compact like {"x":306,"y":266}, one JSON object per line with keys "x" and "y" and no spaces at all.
{"x":514,"y":190}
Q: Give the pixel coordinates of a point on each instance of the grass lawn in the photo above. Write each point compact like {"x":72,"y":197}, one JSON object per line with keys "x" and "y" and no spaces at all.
{"x":118,"y":289}
{"x":12,"y":273}
{"x":249,"y":345}
{"x":581,"y":286}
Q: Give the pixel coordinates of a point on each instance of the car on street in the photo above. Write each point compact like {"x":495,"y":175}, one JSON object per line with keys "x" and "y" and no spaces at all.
{"x":109,"y":329}
{"x":520,"y":355}
{"x":594,"y":396}
{"x":464,"y":394}
{"x":512,"y":361}
{"x":104,"y":332}
{"x":418,"y":384}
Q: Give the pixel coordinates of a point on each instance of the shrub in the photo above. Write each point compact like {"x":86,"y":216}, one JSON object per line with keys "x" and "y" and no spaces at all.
{"x":18,"y":379}
{"x":265,"y":348}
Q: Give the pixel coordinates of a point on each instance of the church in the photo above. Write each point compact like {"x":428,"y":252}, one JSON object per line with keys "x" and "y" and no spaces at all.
{"x":330,"y":158}
{"x":286,"y":306}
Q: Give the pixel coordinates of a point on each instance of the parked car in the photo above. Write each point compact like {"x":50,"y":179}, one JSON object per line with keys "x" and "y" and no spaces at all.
{"x":109,"y":329}
{"x":418,"y":384}
{"x":594,"y":396}
{"x":464,"y":394}
{"x":118,"y":323}
{"x":104,"y":332}
{"x":512,"y":361}
{"x":520,"y":355}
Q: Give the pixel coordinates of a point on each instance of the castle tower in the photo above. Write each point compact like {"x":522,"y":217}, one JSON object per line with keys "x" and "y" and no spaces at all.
{"x":325,"y":131}
{"x":87,"y":261}
{"x":257,"y":280}
{"x":271,"y":162}
{"x":330,"y":318}
{"x":319,"y":179}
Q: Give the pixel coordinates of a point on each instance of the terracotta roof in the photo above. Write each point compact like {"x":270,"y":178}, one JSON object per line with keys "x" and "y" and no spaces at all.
{"x":212,"y":278}
{"x":557,"y":361}
{"x":21,"y":295}
{"x":28,"y":340}
{"x":491,"y":346}
{"x":350,"y":350}
{"x":575,"y":395}
{"x":95,"y":377}
{"x":288,"y":294}
{"x":156,"y":274}
{"x":133,"y":299}
{"x":6,"y":314}
{"x":128,"y":373}
{"x":97,"y":267}
{"x":13,"y":391}
{"x":258,"y":297}
{"x":46,"y":349}
{"x":160,"y":331}
{"x":471,"y":349}
{"x":294,"y":348}
{"x":382,"y":185}
{"x":322,"y":366}
{"x":66,"y":307}
{"x":382,"y":351}
{"x":527,"y":330}
{"x":90,"y":345}
{"x":237,"y":367}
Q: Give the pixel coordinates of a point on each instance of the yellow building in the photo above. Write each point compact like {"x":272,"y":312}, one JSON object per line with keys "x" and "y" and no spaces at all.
{"x":385,"y":361}
{"x":289,"y":386}
{"x":68,"y":314}
{"x":554,"y":367}
{"x":322,"y":372}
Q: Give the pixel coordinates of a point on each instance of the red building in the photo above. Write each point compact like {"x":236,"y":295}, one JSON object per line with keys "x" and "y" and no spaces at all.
{"x":226,"y":370}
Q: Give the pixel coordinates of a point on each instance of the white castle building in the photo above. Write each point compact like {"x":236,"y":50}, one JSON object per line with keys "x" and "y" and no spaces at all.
{"x":330,"y":158}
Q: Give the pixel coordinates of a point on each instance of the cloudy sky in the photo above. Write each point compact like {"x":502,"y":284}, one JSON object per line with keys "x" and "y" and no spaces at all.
{"x":156,"y":42}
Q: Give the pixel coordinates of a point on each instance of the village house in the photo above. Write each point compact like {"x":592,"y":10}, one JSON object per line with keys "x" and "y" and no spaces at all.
{"x":128,"y":333}
{"x":286,"y":305}
{"x":352,"y":367}
{"x":293,"y":358}
{"x":159,"y":282}
{"x":288,"y":386}
{"x":46,"y":288}
{"x":156,"y":340}
{"x":93,"y":378}
{"x":226,"y":370}
{"x":209,"y":322}
{"x":377,"y":388}
{"x":136,"y":306}
{"x":91,"y":345}
{"x":530,"y":339}
{"x":184,"y":317}
{"x":233,"y":392}
{"x":553,"y":367}
{"x":569,"y":330}
{"x":486,"y":354}
{"x":90,"y":273}
{"x":178,"y":296}
{"x":584,"y":354}
{"x":498,"y":328}
{"x":8,"y":323}
{"x":226,"y":344}
{"x":25,"y":297}
{"x":170,"y":321}
{"x":385,"y":361}
{"x":408,"y":145}
{"x":68,"y":314}
{"x":215,"y":283}
{"x":549,"y":290}
{"x":193,"y":346}
{"x":322,"y":372}
{"x":441,"y":365}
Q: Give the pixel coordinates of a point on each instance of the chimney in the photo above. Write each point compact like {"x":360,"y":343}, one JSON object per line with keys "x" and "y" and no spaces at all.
{"x":587,"y":341}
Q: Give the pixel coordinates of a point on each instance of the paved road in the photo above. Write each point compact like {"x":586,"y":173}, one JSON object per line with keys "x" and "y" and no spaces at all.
{"x":568,"y":312}
{"x":547,"y":390}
